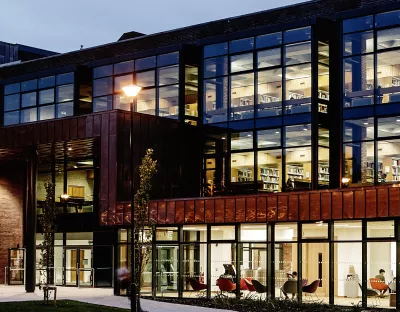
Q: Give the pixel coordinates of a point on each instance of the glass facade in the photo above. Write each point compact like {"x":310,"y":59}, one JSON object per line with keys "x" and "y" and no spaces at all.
{"x":277,"y":65}
{"x":39,"y":99}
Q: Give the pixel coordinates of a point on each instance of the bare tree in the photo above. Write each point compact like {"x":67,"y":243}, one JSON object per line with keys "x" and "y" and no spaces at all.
{"x":47,"y":221}
{"x":142,"y":226}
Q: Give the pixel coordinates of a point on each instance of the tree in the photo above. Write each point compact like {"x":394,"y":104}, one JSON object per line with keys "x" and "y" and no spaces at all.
{"x":47,"y":221}
{"x":142,"y":236}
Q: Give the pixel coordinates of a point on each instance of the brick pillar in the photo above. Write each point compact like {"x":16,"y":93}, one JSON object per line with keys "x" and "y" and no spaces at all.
{"x":11,"y":210}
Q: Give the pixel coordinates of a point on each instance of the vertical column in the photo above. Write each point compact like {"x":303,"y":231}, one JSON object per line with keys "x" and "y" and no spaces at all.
{"x":364,"y":264}
{"x":331,"y":262}
{"x":299,"y":262}
{"x":397,"y":235}
{"x":208,"y":277}
{"x":30,"y":226}
{"x":271,"y":260}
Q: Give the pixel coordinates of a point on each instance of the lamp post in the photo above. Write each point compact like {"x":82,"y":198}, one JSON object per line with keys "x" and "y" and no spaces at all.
{"x":132,"y":91}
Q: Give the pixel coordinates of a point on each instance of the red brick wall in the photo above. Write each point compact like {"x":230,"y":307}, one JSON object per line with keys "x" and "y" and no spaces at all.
{"x":11,"y":210}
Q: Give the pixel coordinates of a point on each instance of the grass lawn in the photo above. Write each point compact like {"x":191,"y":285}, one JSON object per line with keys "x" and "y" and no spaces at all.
{"x":62,"y":306}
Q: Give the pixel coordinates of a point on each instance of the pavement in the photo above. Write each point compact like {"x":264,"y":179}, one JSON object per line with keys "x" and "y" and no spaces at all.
{"x":100,"y":296}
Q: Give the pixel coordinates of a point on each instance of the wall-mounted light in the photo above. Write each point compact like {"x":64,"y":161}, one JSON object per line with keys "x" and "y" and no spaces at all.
{"x":70,"y":148}
{"x":345,"y":181}
{"x":64,"y":197}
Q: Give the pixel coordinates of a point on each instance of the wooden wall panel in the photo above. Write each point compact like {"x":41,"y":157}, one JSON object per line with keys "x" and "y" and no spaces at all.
{"x":394,"y":202}
{"x":50,"y":131}
{"x":73,"y":129}
{"x":189,"y":211}
{"x":2,"y":137}
{"x":326,"y":205}
{"x":162,"y":212}
{"x":282,"y":207}
{"x":251,"y":209}
{"x":44,"y":132}
{"x":240,"y":209}
{"x":315,"y":206}
{"x":261,"y":209}
{"x":229,"y":210}
{"x":65,"y":129}
{"x":348,"y":205}
{"x":82,"y":127}
{"x":96,"y":125}
{"x":199,"y":211}
{"x":180,"y":212}
{"x":293,"y":210}
{"x":383,"y":202}
{"x":219,"y":210}
{"x":209,"y":203}
{"x":370,"y":203}
{"x":104,"y":163}
{"x":272,"y":208}
{"x":359,"y":204}
{"x":36,"y":134}
{"x":58,"y":130}
{"x":112,"y":173}
{"x":304,"y":207}
{"x":170,"y":212}
{"x":337,"y":205}
{"x":89,"y":126}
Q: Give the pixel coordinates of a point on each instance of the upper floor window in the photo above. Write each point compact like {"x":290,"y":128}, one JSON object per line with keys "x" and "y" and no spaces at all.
{"x":39,"y":99}
{"x":358,"y":24}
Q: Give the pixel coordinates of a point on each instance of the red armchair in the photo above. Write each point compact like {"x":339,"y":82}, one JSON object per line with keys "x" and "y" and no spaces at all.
{"x":225,"y":284}
{"x":248,"y":283}
{"x":377,"y":284}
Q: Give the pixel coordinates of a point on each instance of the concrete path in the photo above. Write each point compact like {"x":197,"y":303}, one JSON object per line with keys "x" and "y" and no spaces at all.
{"x":99,"y":296}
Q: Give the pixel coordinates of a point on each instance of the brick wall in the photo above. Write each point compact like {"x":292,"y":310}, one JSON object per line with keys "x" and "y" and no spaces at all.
{"x":11,"y":210}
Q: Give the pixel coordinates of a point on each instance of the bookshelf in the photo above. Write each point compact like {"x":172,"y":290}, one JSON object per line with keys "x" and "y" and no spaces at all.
{"x":270,"y":177}
{"x":295,"y":172}
{"x":245,"y":175}
{"x":323,"y":172}
{"x":395,"y":169}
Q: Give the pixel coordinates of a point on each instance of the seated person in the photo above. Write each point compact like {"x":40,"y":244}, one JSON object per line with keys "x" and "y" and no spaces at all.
{"x":291,"y":277}
{"x":381,"y":277}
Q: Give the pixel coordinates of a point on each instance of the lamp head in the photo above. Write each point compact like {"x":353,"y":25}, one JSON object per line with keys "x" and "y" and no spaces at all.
{"x":131,"y":90}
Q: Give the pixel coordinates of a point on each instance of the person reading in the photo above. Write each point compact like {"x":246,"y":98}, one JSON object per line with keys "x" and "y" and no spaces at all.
{"x":291,"y":277}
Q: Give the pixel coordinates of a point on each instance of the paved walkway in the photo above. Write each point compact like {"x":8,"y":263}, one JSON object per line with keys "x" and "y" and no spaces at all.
{"x":99,"y":296}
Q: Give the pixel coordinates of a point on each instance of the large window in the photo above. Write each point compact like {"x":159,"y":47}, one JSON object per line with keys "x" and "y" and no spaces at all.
{"x":157,"y":76}
{"x":39,"y":99}
{"x":270,"y":64}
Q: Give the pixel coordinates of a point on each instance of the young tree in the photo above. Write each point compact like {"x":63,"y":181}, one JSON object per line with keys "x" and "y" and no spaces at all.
{"x":47,"y":221}
{"x":142,"y":236}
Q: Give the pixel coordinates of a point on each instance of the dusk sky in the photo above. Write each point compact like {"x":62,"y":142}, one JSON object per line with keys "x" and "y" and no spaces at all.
{"x":63,"y":26}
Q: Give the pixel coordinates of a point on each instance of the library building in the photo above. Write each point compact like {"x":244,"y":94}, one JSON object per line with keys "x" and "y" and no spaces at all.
{"x":277,"y":140}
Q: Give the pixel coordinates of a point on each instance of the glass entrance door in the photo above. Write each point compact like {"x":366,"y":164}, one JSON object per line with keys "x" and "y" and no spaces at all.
{"x":78,"y":267}
{"x":16,"y":269}
{"x":167,"y":270}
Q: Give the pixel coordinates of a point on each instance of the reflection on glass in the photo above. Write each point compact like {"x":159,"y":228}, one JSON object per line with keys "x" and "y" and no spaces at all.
{"x":242,"y":167}
{"x":299,"y":34}
{"x":169,"y":101}
{"x":298,"y":53}
{"x":146,"y":79}
{"x":146,"y":102}
{"x":270,"y":170}
{"x":145,"y":63}
{"x":269,"y":40}
{"x":387,"y":18}
{"x":65,"y":109}
{"x":124,"y":67}
{"x":103,"y":71}
{"x":29,"y":115}
{"x":216,"y":100}
{"x":358,"y":43}
{"x":11,"y":102}
{"x":46,"y":96}
{"x":242,"y":140}
{"x":216,"y":49}
{"x":122,"y":81}
{"x":388,"y":127}
{"x":12,"y":88}
{"x":269,"y":58}
{"x":269,"y":138}
{"x":65,"y":93}
{"x":168,"y":59}
{"x":217,"y":66}
{"x":122,"y":101}
{"x":298,"y":89}
{"x":358,"y":81}
{"x":11,"y":118}
{"x":357,"y":24}
{"x":358,"y":129}
{"x":388,"y":78}
{"x":241,"y":62}
{"x":359,"y":162}
{"x":102,"y":86}
{"x":28,"y":99}
{"x":298,"y":135}
{"x":242,"y":96}
{"x":269,"y":99}
{"x":167,"y":234}
{"x":377,"y":229}
{"x":28,"y":85}
{"x":168,"y":75}
{"x":102,"y":103}
{"x":46,"y":112}
{"x":241,"y":45}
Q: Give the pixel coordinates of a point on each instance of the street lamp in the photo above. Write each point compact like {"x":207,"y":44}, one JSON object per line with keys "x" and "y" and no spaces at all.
{"x":132,"y":91}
